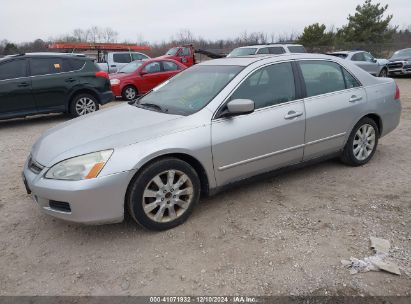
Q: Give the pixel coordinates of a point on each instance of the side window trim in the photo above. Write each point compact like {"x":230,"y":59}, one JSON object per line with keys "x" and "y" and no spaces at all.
{"x":220,"y":109}
{"x":28,"y":72}
{"x":304,"y":89}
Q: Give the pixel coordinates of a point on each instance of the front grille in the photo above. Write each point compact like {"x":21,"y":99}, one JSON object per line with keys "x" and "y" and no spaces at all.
{"x":395,"y":65}
{"x":34,"y":166}
{"x":60,"y":206}
{"x":407,"y":67}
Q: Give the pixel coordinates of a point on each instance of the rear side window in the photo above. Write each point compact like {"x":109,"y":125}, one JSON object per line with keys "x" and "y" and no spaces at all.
{"x":276,"y":50}
{"x":268,"y":86}
{"x":74,"y":64}
{"x":322,"y":77}
{"x":262,"y":51}
{"x":122,"y":57}
{"x":350,"y":81}
{"x":45,"y":66}
{"x":170,"y":66}
{"x":13,"y":69}
{"x":296,"y":49}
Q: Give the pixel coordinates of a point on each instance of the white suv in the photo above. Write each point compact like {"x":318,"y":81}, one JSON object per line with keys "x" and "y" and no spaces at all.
{"x":275,"y":49}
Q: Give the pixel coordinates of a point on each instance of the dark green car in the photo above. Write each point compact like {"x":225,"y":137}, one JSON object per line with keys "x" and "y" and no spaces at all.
{"x":40,"y":83}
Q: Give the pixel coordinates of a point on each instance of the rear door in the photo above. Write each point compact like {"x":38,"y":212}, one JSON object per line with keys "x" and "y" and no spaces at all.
{"x":15,"y":88}
{"x":51,"y":83}
{"x":334,"y":99}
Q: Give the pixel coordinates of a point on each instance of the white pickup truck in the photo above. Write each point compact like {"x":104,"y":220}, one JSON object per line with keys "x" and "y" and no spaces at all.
{"x":111,"y":62}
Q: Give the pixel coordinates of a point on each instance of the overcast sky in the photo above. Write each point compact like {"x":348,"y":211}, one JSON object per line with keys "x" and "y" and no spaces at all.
{"x":156,"y":20}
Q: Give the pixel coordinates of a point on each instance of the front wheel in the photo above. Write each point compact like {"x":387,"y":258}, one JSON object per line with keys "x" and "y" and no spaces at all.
{"x":362,"y":143}
{"x":164,"y":194}
{"x":383,"y":73}
{"x":83,"y":104}
{"x":129,"y":93}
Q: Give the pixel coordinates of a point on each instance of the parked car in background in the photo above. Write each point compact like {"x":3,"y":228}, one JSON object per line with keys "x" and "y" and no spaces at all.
{"x":139,"y":77}
{"x":114,"y":61}
{"x":400,"y":63}
{"x":51,"y":82}
{"x":184,"y":54}
{"x":376,"y":67}
{"x":213,"y":124}
{"x":267,"y":49}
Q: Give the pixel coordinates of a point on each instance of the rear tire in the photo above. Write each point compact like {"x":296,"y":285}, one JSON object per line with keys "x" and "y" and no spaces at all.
{"x":362,"y":143}
{"x":129,"y":93}
{"x":83,"y":104}
{"x":164,"y":194}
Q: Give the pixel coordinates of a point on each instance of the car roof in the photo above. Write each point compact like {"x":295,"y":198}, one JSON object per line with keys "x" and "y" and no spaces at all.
{"x":268,"y":45}
{"x":247,"y":60}
{"x":45,"y":54}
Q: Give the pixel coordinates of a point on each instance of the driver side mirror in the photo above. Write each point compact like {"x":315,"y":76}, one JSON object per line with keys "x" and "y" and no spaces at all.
{"x":374,"y":60}
{"x":239,"y":107}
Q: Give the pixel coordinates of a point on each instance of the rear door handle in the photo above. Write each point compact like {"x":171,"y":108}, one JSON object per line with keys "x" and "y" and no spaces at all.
{"x":23,"y":84}
{"x":113,"y":65}
{"x":293,"y":114}
{"x":355,"y":98}
{"x":70,"y":79}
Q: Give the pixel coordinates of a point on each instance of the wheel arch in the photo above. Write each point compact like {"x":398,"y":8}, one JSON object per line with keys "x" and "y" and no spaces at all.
{"x":192,"y":161}
{"x":81,"y":91}
{"x":129,"y":84}
{"x":377,"y":119}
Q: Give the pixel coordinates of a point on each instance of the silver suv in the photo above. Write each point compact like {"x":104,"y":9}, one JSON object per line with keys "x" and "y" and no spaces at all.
{"x":275,"y":49}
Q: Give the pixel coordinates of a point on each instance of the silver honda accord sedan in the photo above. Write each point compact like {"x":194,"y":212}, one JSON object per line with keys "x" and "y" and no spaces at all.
{"x":211,"y":125}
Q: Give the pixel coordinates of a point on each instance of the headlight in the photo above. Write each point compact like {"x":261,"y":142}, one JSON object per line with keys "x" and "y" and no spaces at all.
{"x":81,"y":167}
{"x":114,"y":81}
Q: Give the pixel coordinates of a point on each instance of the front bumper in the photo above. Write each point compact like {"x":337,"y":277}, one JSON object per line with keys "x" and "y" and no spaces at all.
{"x":94,"y":201}
{"x":116,"y":90}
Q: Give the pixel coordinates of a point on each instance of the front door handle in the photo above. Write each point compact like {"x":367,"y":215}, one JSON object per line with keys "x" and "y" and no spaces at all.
{"x":70,"y":79}
{"x":293,"y":114}
{"x":23,"y":84}
{"x":355,"y":98}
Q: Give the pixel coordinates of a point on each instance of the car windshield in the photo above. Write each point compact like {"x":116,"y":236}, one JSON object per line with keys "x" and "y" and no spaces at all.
{"x":172,"y":51}
{"x":402,"y":54}
{"x":131,"y":67}
{"x":242,"y":52}
{"x":189,"y":91}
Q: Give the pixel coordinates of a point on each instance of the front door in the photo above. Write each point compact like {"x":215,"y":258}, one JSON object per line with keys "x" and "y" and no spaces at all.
{"x":15,"y":89}
{"x":151,"y":76}
{"x":333,"y":100}
{"x":270,"y":137}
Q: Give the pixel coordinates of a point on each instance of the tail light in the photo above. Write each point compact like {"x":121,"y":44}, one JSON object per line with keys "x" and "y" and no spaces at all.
{"x":102,"y":74}
{"x":397,"y":92}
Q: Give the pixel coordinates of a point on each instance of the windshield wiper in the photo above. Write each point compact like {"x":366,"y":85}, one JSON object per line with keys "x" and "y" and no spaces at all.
{"x":151,"y":105}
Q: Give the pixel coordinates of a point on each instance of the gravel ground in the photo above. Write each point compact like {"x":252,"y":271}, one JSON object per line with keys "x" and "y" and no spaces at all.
{"x":285,"y":234}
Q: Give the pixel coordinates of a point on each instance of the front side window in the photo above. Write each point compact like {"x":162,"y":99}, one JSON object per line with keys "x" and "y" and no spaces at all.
{"x":138,"y":56}
{"x":358,"y":57}
{"x":169,"y":66}
{"x":189,"y":91}
{"x":262,"y":51}
{"x":322,"y":77}
{"x":153,"y":67}
{"x":368,"y":57}
{"x":121,"y":57}
{"x":185,"y":51}
{"x":46,"y":66}
{"x":276,"y":50}
{"x":268,"y":86}
{"x":13,"y":69}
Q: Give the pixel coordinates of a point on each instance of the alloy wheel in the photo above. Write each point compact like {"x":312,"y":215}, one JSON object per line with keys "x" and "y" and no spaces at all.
{"x":130,"y":93}
{"x":364,"y":142}
{"x":167,"y":196}
{"x":85,"y":105}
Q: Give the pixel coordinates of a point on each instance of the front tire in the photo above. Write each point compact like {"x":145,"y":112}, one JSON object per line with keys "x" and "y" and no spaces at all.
{"x":362,"y":143}
{"x":164,"y":194}
{"x":129,"y":93}
{"x":83,"y":104}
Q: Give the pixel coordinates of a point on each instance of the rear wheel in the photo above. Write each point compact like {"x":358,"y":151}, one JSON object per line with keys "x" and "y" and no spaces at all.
{"x":129,"y":93}
{"x":362,"y":143}
{"x":164,"y":194}
{"x":83,"y":104}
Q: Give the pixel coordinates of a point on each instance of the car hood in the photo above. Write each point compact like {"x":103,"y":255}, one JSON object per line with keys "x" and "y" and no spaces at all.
{"x":106,"y":129}
{"x":120,"y":75}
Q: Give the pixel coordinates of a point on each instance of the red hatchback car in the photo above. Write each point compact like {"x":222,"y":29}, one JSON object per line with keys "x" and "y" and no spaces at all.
{"x":139,"y":77}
